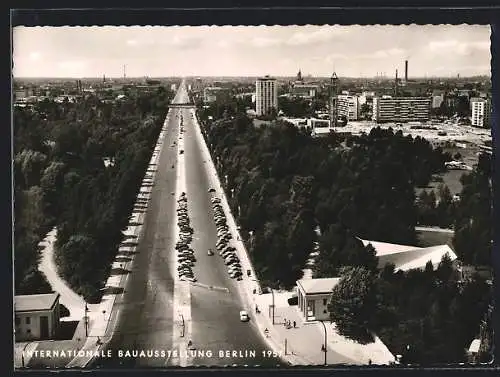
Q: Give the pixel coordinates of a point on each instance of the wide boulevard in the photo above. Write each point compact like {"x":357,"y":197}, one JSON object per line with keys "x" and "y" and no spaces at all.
{"x":147,"y":316}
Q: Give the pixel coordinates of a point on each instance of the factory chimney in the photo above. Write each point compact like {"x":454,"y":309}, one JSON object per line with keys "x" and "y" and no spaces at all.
{"x":406,"y":70}
{"x":396,"y":84}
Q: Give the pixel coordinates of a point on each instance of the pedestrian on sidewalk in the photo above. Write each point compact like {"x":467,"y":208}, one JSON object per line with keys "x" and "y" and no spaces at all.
{"x":284,"y":322}
{"x":294,"y":324}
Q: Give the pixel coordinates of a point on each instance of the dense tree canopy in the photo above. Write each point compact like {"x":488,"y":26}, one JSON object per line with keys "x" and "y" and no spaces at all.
{"x":61,"y":179}
{"x":473,"y":222}
{"x":287,"y":183}
{"x":353,"y":303}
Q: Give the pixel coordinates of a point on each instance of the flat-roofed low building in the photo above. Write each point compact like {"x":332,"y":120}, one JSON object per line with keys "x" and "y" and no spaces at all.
{"x":319,"y":127}
{"x":36,"y":316}
{"x":304,"y":90}
{"x":401,"y":109}
{"x":313,"y":297}
{"x":214,"y":93}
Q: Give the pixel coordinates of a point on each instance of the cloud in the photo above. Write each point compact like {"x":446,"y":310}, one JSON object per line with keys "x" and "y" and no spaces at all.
{"x":456,"y":47}
{"x":35,"y":56}
{"x":185,"y":42}
{"x":71,"y":67}
{"x":264,"y":41}
{"x":335,"y":56}
{"x":324,"y":34}
{"x":223,"y":43}
{"x":382,"y":54}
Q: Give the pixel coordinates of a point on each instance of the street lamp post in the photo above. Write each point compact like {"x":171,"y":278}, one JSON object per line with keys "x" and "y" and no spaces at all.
{"x":326,"y":344}
{"x":272,"y":294}
{"x":183,"y":325}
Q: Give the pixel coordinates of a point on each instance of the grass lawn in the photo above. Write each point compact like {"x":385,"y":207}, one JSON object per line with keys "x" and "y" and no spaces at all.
{"x":451,"y":178}
{"x":427,"y":239}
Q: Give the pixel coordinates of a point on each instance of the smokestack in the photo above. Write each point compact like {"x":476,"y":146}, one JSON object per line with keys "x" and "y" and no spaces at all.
{"x":406,"y":70}
{"x":396,"y":84}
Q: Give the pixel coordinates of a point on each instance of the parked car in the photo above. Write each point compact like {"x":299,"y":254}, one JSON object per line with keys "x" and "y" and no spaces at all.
{"x":244,"y":316}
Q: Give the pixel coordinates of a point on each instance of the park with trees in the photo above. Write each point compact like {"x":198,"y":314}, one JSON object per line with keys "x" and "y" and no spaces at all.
{"x":61,"y":180}
{"x":284,"y":184}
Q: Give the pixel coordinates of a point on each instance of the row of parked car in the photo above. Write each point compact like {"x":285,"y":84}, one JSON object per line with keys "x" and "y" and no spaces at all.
{"x":185,"y":254}
{"x":223,"y":237}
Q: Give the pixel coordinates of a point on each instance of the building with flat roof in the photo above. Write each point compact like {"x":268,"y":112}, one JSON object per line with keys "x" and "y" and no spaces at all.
{"x":304,"y":90}
{"x":319,"y":127}
{"x":437,"y":100}
{"x":313,"y":296}
{"x":480,"y":112}
{"x":347,"y":105}
{"x":266,"y":95}
{"x":401,"y":109}
{"x":406,"y":257}
{"x":214,"y":93}
{"x":36,"y":316}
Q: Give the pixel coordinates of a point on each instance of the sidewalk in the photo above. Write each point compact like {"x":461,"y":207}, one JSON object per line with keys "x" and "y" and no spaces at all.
{"x":104,"y":314}
{"x":28,"y":348}
{"x":69,"y":298}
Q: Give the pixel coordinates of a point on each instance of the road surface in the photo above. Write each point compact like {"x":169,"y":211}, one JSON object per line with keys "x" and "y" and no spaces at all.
{"x":147,"y":311}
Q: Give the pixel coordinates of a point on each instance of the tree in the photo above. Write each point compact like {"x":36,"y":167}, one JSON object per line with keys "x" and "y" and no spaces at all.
{"x":445,"y":270}
{"x":52,"y":183}
{"x":31,"y":164}
{"x":352,"y":303}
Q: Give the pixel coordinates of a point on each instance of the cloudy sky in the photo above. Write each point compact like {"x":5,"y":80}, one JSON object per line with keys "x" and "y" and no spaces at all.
{"x":353,"y":51}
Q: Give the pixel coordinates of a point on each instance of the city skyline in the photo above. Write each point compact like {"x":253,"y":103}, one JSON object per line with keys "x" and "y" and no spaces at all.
{"x":432,"y":51}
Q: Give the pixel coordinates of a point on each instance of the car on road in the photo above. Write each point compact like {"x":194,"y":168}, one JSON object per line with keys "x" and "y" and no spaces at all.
{"x":230,"y":261}
{"x":211,"y":190}
{"x":244,"y":316}
{"x":225,"y":253}
{"x":210,"y":252}
{"x":187,"y":262}
{"x":221,"y":245}
{"x":227,"y":237}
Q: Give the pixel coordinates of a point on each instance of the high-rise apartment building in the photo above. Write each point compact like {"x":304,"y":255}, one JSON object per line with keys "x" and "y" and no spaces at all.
{"x":481,"y":111}
{"x":347,"y":105}
{"x":266,"y":95}
{"x":401,"y":109}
